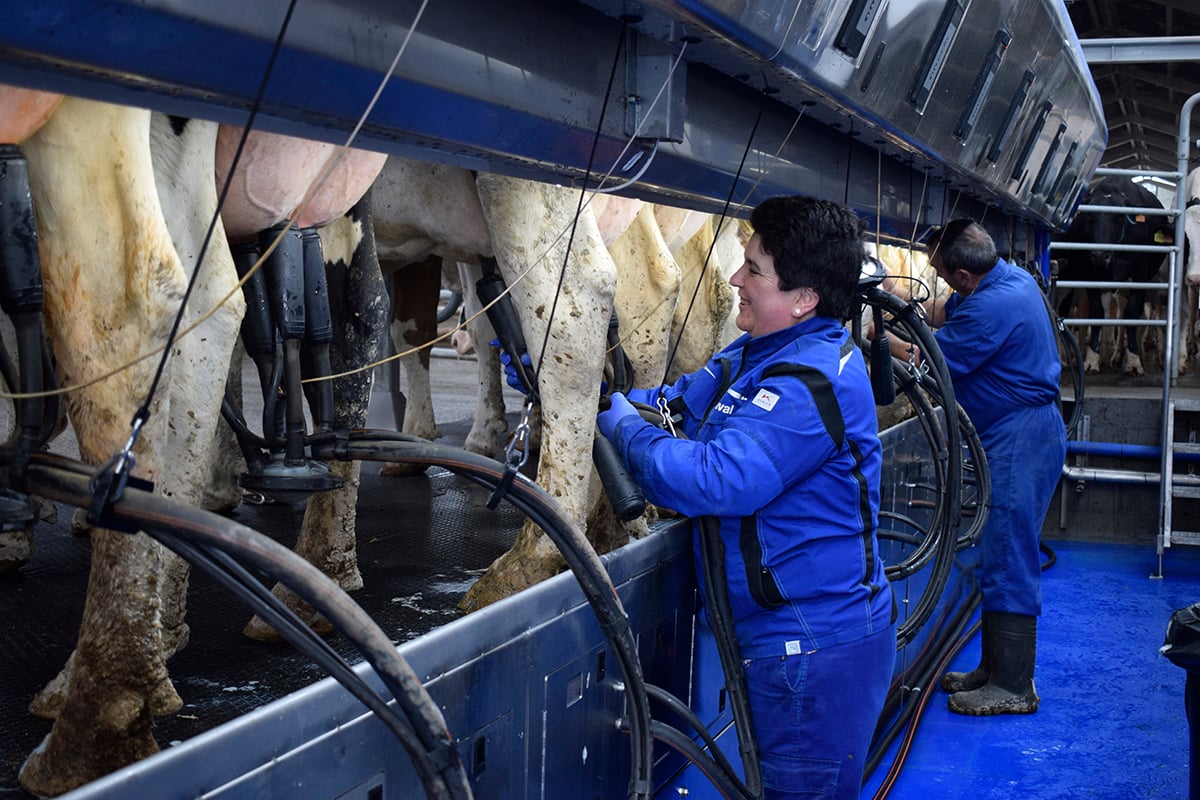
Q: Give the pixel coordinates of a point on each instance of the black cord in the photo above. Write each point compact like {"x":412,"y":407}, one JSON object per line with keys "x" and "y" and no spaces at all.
{"x":720,"y":613}
{"x":680,"y":708}
{"x":683,"y":745}
{"x":245,"y":587}
{"x":943,"y":549}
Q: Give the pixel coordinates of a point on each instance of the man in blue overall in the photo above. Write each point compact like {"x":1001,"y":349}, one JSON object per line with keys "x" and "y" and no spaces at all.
{"x":782,"y":454}
{"x":1000,"y":347}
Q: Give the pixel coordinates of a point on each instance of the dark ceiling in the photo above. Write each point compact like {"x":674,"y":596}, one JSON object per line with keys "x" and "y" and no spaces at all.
{"x":1142,"y":100}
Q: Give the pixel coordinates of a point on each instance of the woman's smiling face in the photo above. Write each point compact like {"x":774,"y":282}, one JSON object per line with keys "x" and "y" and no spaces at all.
{"x":762,"y":307}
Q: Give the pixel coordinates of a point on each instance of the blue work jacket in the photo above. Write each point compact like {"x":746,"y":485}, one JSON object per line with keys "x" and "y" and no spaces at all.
{"x":1000,"y":347}
{"x":783,"y":450}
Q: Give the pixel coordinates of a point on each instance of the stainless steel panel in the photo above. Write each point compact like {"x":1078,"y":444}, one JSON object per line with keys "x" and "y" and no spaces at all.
{"x":518,"y":87}
{"x":910,"y":70}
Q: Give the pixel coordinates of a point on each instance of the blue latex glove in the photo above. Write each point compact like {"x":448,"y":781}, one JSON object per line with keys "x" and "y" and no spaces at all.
{"x":510,"y":369}
{"x":621,"y":408}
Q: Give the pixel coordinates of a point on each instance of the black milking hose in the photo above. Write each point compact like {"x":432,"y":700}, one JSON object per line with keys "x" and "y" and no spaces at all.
{"x":581,"y":558}
{"x":905,"y":314}
{"x":435,"y":757}
{"x":21,"y":293}
{"x":683,"y":744}
{"x":882,"y":384}
{"x":318,"y":332}
{"x":720,"y":614}
{"x":623,"y":492}
{"x":245,"y":587}
{"x":500,"y":313}
{"x":927,"y":419}
{"x":680,"y":708}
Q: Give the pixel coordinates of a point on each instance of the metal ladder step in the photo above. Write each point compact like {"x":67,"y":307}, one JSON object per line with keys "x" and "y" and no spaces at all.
{"x":1186,"y":403}
{"x":1185,"y":537}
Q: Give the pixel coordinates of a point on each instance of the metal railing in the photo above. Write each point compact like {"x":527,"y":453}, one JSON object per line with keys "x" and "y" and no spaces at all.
{"x":1174,"y":287}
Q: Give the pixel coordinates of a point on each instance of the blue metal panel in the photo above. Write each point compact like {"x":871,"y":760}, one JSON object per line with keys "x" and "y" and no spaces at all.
{"x":526,"y":685}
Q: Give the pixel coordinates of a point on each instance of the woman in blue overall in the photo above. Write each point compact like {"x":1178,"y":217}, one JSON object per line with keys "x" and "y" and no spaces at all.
{"x":1000,"y":347}
{"x":782,"y":450}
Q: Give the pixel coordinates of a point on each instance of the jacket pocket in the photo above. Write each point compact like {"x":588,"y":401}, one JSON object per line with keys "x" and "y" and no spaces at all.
{"x":762,"y":584}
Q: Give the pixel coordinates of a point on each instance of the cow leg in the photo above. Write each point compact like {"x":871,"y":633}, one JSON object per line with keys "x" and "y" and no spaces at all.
{"x":489,"y":426}
{"x":415,"y":290}
{"x":359,"y":308}
{"x":1091,"y":356}
{"x":1134,"y":310}
{"x":648,"y":281}
{"x":113,"y":281}
{"x":700,"y":313}
{"x":1187,"y":327}
{"x":118,"y":681}
{"x":529,"y":223}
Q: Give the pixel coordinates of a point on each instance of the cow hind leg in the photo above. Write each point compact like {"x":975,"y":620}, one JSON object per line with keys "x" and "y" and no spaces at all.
{"x":415,"y":291}
{"x":104,"y":722}
{"x":489,"y":425}
{"x":1134,"y":311}
{"x":527,"y":221}
{"x":109,"y":299}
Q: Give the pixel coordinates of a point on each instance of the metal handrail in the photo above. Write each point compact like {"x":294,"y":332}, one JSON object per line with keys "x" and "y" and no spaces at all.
{"x":1183,"y":147}
{"x":1116,"y":248}
{"x":1172,"y":323}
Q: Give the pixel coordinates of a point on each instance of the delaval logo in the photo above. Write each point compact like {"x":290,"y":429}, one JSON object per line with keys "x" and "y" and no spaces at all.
{"x":727,"y":408}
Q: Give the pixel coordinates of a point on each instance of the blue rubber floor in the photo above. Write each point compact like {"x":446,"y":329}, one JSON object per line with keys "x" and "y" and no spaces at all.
{"x":1112,"y":722}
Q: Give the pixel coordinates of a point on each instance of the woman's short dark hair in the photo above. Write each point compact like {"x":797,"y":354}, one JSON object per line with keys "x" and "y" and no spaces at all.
{"x":816,"y":244}
{"x":963,"y":244}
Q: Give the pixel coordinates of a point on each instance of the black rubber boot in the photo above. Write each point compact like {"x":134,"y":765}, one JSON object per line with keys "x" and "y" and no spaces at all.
{"x":968,"y":681}
{"x":1010,"y":688}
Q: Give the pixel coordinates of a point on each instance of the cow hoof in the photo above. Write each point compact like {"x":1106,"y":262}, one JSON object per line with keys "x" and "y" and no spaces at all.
{"x":1133,"y":365}
{"x":16,"y":548}
{"x":1091,"y":364}
{"x":260,"y":631}
{"x":47,"y":703}
{"x":79,"y":524}
{"x":487,"y":441}
{"x":57,"y":766}
{"x":531,"y":560}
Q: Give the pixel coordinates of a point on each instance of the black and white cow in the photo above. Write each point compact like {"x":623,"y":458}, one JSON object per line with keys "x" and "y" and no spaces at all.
{"x":1113,"y":265}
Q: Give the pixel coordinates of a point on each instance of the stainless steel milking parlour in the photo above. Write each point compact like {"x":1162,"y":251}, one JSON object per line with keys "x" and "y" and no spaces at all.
{"x":910,"y":111}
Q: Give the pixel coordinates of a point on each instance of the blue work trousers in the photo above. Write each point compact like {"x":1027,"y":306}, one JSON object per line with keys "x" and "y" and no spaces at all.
{"x":1025,"y":452}
{"x":814,"y":715}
